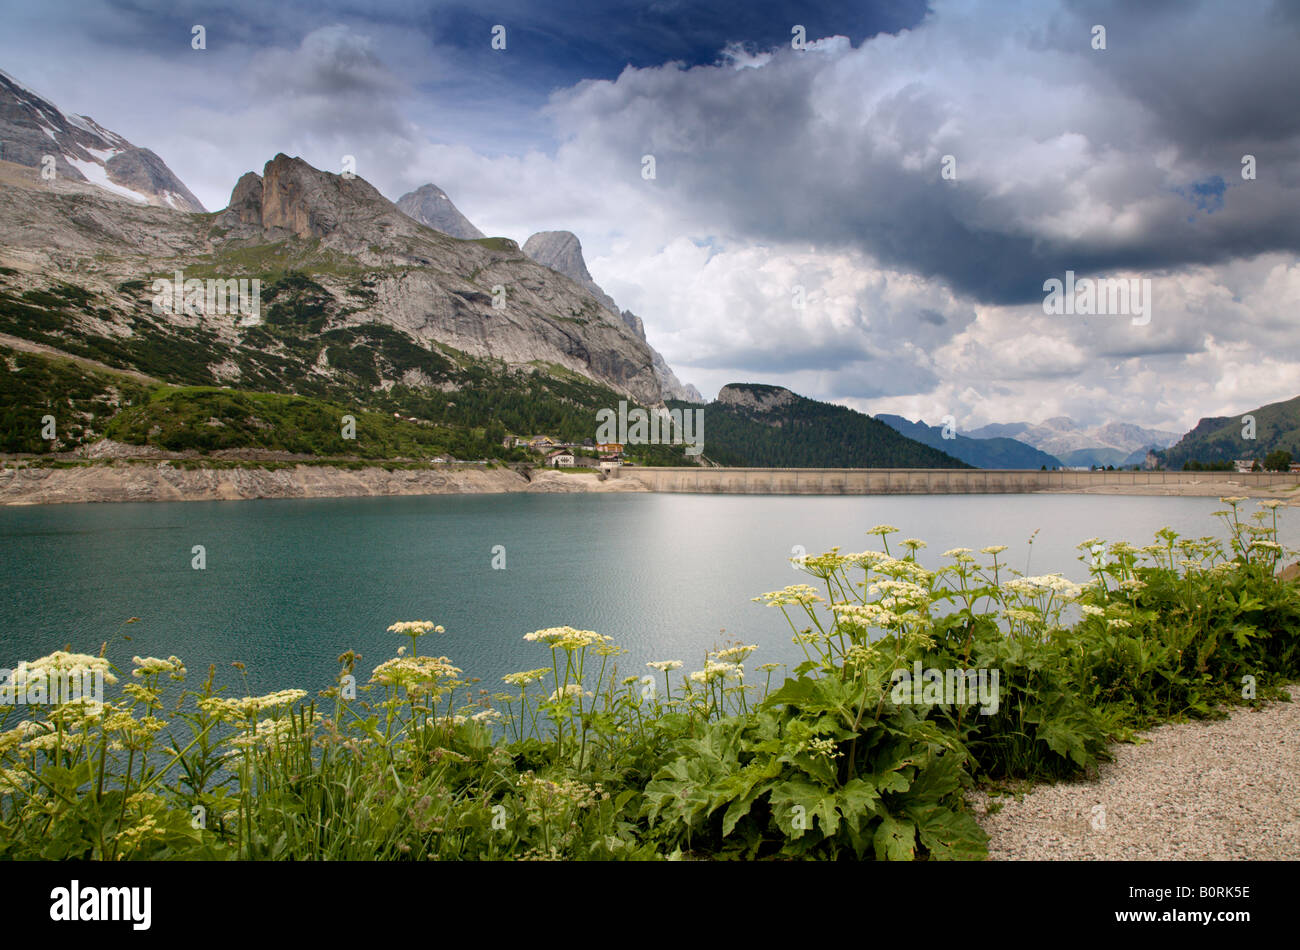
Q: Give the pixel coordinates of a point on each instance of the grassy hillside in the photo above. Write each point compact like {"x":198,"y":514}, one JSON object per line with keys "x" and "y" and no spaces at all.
{"x":465,"y":406}
{"x":81,"y":400}
{"x":805,"y":433}
{"x":210,"y":419}
{"x":1219,"y":439}
{"x":89,"y":404}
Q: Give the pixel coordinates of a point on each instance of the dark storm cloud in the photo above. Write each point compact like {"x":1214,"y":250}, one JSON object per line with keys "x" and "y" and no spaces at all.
{"x":1211,"y":75}
{"x":842,"y":147}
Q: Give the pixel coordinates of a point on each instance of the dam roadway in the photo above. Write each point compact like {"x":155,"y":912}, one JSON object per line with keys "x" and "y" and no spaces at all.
{"x":950,"y":481}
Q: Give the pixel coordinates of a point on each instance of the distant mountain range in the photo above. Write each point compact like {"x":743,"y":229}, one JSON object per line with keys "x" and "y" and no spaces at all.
{"x":1223,"y":439}
{"x":988,"y":452}
{"x":769,"y":426}
{"x":38,"y":134}
{"x":1112,"y":443}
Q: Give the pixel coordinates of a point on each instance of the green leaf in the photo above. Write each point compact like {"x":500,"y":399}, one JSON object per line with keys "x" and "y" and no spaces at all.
{"x":746,"y":787}
{"x":895,"y":840}
{"x":796,"y":803}
{"x":859,"y":802}
{"x":937,"y":780}
{"x":950,"y":835}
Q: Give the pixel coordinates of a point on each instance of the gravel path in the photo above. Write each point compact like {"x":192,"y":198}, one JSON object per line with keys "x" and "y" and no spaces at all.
{"x":1218,"y":791}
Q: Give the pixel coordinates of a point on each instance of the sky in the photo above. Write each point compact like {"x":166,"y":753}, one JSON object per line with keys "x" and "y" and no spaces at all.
{"x":870,"y":219}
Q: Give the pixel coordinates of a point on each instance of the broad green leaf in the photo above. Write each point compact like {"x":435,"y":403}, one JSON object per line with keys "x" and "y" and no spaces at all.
{"x":799,"y":801}
{"x":895,"y":840}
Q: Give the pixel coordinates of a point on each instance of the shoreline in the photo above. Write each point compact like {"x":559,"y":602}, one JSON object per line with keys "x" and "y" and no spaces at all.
{"x":1198,"y":790}
{"x":135,"y":482}
{"x":122,"y":481}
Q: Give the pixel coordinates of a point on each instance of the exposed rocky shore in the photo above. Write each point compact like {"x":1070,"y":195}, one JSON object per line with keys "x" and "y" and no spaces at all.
{"x":164,"y":481}
{"x":1217,"y":791}
{"x":110,"y":471}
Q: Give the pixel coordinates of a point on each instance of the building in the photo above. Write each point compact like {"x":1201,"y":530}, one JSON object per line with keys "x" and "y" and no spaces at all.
{"x":609,"y":448}
{"x":1243,"y":465}
{"x":560,"y":458}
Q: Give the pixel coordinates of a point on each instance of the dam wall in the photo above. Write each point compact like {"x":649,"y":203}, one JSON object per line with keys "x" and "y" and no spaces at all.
{"x":944,"y":481}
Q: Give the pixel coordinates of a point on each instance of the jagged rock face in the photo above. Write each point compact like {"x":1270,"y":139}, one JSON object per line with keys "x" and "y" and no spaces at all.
{"x":562,"y":251}
{"x":375,"y":265}
{"x":348,"y":215}
{"x":32,"y":127}
{"x":300,"y":202}
{"x":634,"y":323}
{"x":430,"y":205}
{"x":673,"y":387}
{"x":246,"y":200}
{"x":307,"y":203}
{"x":755,"y":397}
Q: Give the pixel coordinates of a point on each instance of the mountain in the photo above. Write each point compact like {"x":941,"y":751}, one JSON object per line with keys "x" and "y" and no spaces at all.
{"x":562,"y":251}
{"x":32,"y":128}
{"x":430,"y":205}
{"x":994,"y":452}
{"x":1112,"y":443}
{"x":1219,"y":438}
{"x":359,"y":306}
{"x":768,"y":426}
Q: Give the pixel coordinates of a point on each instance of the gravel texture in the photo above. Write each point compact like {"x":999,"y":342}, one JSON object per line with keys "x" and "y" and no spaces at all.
{"x":1221,"y":791}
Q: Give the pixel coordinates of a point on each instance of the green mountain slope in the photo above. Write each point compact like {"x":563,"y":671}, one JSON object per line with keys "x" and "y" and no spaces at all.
{"x":1220,"y":439}
{"x":768,"y":426}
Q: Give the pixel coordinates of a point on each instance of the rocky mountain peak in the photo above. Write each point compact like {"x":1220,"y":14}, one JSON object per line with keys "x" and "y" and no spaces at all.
{"x":347,"y":214}
{"x":561,"y":251}
{"x":309,"y":202}
{"x":430,"y":205}
{"x":755,"y":397}
{"x":32,"y":129}
{"x":246,"y":199}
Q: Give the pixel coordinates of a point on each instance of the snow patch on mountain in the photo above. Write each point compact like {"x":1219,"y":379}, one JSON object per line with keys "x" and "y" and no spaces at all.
{"x":34,"y":131}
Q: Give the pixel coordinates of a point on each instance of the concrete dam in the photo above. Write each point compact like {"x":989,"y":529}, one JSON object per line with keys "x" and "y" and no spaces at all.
{"x":945,"y":481}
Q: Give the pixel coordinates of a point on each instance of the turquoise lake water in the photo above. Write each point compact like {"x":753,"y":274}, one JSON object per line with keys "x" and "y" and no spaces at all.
{"x":291,"y":584}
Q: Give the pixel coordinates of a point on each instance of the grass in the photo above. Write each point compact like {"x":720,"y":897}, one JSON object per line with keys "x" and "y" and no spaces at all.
{"x":496,"y":243}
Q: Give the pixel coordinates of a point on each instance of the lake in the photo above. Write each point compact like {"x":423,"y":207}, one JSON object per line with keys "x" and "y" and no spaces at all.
{"x":291,"y":584}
